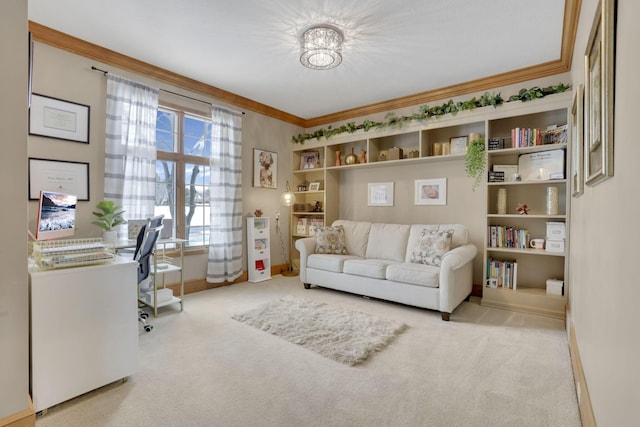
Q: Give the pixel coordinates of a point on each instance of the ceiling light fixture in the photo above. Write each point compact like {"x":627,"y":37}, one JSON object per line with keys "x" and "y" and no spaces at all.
{"x":321,"y":47}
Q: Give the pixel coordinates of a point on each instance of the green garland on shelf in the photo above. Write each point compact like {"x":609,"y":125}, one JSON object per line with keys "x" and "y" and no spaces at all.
{"x":391,"y":120}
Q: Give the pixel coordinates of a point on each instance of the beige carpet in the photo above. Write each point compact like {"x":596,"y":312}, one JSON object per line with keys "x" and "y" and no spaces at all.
{"x":345,"y":336}
{"x":485,"y":367}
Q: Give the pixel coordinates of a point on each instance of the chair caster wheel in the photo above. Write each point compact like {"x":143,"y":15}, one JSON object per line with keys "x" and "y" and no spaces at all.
{"x":148,"y":328}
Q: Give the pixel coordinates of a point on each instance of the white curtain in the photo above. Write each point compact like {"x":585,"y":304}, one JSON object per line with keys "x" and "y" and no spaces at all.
{"x":225,"y":189}
{"x":130,"y":149}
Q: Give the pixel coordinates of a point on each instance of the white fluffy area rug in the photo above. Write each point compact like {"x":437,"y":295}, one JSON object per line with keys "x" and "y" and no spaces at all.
{"x":342,"y":335}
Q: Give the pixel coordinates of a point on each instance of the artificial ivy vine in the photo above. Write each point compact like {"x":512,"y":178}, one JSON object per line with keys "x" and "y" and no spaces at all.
{"x":391,"y":120}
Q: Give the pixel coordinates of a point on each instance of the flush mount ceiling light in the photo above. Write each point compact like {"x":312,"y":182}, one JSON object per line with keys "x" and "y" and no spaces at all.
{"x":321,"y":47}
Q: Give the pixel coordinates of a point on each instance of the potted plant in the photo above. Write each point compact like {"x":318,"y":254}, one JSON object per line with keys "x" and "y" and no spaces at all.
{"x":109,"y":217}
{"x":475,"y":161}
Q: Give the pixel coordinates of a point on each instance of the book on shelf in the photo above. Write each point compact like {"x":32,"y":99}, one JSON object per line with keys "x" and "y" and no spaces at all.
{"x":313,"y":223}
{"x":500,"y":236}
{"x":502,"y":274}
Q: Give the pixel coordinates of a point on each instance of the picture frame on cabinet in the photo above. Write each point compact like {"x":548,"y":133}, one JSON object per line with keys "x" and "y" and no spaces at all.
{"x":56,"y":118}
{"x":309,"y":160}
{"x":314,"y":186}
{"x":431,"y":191}
{"x":577,"y":143}
{"x":458,"y":145}
{"x":598,"y":95}
{"x":265,"y":168}
{"x":380,"y":194}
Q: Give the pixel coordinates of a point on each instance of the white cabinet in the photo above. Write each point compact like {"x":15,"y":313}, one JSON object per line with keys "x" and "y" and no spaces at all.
{"x":84,"y":330}
{"x":258,"y":249}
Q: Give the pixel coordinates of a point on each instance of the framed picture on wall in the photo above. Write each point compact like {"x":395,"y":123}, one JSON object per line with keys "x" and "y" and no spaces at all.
{"x":61,"y":176}
{"x":265,"y":168}
{"x":577,"y":143}
{"x":431,"y":191}
{"x":380,"y":194}
{"x":599,"y":65}
{"x":56,"y":118}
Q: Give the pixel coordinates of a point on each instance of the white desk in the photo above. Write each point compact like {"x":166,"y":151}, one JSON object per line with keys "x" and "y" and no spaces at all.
{"x":84,"y":329}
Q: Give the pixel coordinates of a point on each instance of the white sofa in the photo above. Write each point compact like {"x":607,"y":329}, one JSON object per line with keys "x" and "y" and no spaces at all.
{"x":409,"y":264}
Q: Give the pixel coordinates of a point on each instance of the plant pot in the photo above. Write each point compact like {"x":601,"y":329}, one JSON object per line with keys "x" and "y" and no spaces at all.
{"x":110,"y":236}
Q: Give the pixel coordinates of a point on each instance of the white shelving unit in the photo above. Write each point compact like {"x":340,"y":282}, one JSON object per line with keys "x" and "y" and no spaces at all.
{"x":161,"y":266}
{"x":534,"y":266}
{"x":258,"y":249}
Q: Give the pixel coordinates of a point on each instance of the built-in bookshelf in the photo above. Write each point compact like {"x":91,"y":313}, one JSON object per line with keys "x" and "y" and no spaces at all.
{"x":537,"y":128}
{"x":527,"y":196}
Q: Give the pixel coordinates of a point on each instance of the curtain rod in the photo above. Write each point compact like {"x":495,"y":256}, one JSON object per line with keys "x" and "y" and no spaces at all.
{"x":94,"y":68}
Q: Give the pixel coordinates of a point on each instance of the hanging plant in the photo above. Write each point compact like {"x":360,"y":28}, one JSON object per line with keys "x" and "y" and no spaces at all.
{"x":391,"y":120}
{"x":475,"y":161}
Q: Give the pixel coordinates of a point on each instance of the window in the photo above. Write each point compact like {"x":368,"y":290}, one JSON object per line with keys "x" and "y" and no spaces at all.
{"x":183,"y":142}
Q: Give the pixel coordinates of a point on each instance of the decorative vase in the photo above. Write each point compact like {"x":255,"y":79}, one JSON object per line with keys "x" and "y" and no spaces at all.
{"x":110,"y":236}
{"x":501,"y":206}
{"x":338,"y":161}
{"x":351,"y":159}
{"x":363,"y":156}
{"x":552,"y":200}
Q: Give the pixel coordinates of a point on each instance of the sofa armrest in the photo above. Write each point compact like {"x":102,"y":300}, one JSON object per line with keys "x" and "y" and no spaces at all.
{"x":458,"y":257}
{"x":306,"y":247}
{"x":456,"y":276}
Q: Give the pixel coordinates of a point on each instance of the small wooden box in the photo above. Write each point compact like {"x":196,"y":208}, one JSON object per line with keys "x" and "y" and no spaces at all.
{"x":395,"y":153}
{"x":414,"y":154}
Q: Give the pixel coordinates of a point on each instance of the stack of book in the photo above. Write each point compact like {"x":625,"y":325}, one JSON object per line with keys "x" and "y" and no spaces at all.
{"x":508,"y":237}
{"x":502,"y":274}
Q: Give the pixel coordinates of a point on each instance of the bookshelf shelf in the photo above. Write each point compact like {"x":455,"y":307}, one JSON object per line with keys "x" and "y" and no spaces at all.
{"x":533,"y":267}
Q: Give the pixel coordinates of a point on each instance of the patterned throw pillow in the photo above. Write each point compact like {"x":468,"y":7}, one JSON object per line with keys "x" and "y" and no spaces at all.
{"x":431,"y":247}
{"x":330,"y":240}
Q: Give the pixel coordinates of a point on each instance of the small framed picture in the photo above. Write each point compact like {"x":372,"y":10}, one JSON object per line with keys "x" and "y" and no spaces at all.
{"x":265,"y":168}
{"x":380,"y":194}
{"x":309,"y":160}
{"x":314,"y":186}
{"x":431,"y":191}
{"x":458,"y":145}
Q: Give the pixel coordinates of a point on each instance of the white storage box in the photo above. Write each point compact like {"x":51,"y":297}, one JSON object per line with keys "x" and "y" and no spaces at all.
{"x":555,"y":287}
{"x":556,"y":230}
{"x":164,"y":295}
{"x":552,"y":245}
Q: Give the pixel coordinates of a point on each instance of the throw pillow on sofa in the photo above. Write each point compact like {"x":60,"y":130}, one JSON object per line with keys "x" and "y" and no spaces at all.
{"x":431,"y":247}
{"x":330,"y":240}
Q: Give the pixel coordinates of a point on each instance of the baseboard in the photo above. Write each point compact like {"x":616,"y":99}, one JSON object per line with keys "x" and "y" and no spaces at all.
{"x":582,"y":391}
{"x":25,"y":418}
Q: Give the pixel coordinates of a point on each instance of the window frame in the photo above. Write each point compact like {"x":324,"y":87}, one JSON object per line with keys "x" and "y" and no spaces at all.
{"x":180,"y":160}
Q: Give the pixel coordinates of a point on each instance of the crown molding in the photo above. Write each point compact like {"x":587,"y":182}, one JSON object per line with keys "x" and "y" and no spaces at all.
{"x":89,"y":50}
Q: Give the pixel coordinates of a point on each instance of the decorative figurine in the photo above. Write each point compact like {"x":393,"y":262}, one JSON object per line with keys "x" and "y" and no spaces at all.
{"x":523,"y":209}
{"x":258,"y":213}
{"x":338,"y":160}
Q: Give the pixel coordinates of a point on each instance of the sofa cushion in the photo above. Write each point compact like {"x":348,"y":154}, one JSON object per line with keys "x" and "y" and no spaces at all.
{"x":431,"y":247}
{"x":415,"y":274}
{"x":356,"y":236}
{"x":330,"y":240}
{"x":328,"y":262}
{"x":388,"y":241}
{"x":374,"y":268}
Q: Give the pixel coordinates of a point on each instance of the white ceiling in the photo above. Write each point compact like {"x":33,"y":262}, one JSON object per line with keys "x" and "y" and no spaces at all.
{"x":250,"y":47}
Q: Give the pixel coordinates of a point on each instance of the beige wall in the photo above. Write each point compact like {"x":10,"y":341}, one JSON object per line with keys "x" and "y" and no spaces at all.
{"x":604,"y":288}
{"x":14,"y":297}
{"x":68,"y":76}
